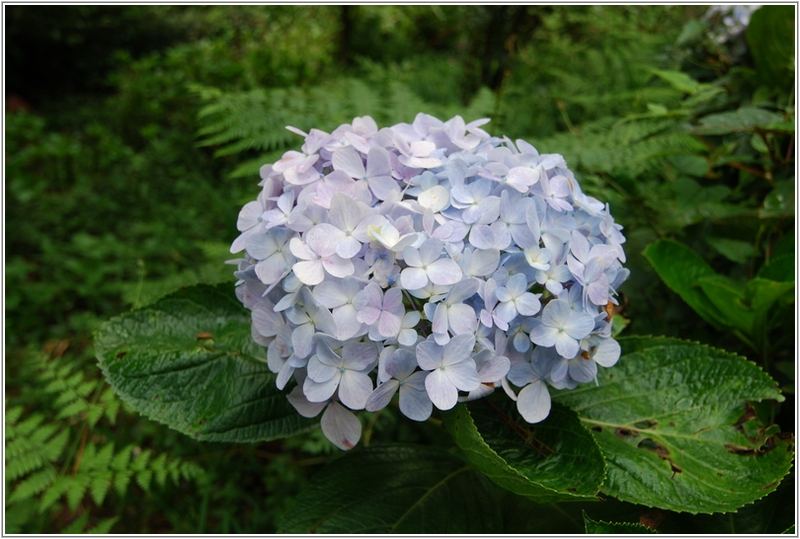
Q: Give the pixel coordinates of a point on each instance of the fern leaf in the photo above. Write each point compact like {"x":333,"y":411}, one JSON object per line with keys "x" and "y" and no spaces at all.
{"x":143,"y":478}
{"x":76,"y":489}
{"x":121,"y":480}
{"x":111,"y":403}
{"x":100,"y":484}
{"x":122,"y":458}
{"x":104,"y":526}
{"x":73,"y":409}
{"x":159,"y":467}
{"x":33,"y":485}
{"x":12,"y":416}
{"x":76,"y":526}
{"x":141,"y":461}
{"x":23,"y":465}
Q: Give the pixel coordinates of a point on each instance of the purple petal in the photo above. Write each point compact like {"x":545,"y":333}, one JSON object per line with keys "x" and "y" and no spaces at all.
{"x":533,"y":402}
{"x":341,"y":426}
{"x":382,"y":396}
{"x":414,"y":404}
{"x":441,"y":391}
{"x":354,"y":389}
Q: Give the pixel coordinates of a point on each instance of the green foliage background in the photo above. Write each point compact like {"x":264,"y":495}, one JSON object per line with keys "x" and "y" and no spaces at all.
{"x":123,"y":183}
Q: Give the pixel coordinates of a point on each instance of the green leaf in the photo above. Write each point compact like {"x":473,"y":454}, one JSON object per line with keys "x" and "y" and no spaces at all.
{"x":727,"y":297}
{"x":770,"y":37}
{"x":779,"y":203}
{"x":778,"y":268}
{"x":555,"y":460}
{"x":678,"y":80}
{"x":681,"y":269}
{"x":598,"y":526}
{"x":395,"y":489}
{"x":734,"y":250}
{"x":104,"y":526}
{"x":743,"y":119}
{"x":159,"y":362}
{"x":693,"y":165}
{"x":673,"y":423}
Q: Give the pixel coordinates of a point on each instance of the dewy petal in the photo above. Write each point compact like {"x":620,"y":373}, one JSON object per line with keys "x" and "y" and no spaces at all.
{"x":533,"y":402}
{"x":382,"y":396}
{"x":441,"y":391}
{"x":341,"y":426}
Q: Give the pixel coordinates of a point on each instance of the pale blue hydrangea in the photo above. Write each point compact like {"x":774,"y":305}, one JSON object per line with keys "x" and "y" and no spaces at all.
{"x":429,"y":263}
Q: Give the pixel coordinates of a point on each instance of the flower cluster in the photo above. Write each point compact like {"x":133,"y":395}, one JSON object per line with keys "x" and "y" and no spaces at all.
{"x":430,"y":261}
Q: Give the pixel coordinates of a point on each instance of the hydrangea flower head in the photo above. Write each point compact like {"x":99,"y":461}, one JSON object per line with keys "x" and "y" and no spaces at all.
{"x":427,"y":263}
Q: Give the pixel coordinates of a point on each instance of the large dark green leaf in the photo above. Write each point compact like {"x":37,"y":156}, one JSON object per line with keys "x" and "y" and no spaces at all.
{"x":615,"y":528}
{"x":770,"y":36}
{"x":673,"y":423}
{"x":555,"y":460}
{"x":681,"y":268}
{"x":396,"y":489}
{"x":189,"y":361}
{"x":742,"y":119}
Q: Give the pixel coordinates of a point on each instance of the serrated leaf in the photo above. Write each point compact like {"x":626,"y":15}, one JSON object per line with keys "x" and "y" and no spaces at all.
{"x":681,"y":268}
{"x":122,"y":458}
{"x":742,"y":119}
{"x":555,"y":460}
{"x":121,"y":480}
{"x":33,"y":485}
{"x":104,"y":526}
{"x":216,"y":389}
{"x":614,"y":528}
{"x":76,"y":526}
{"x":159,"y":466}
{"x":672,"y":422}
{"x":12,"y":416}
{"x":99,"y":486}
{"x":395,"y":489}
{"x":143,"y":478}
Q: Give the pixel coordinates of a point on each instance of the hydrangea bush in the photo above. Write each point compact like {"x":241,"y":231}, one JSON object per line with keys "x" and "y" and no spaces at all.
{"x":428,"y":260}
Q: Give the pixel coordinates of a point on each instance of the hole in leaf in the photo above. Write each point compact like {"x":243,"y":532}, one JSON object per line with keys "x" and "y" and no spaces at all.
{"x":740,"y":449}
{"x":675,"y":469}
{"x":122,"y":355}
{"x":597,"y":429}
{"x":651,"y":445}
{"x":625,"y":434}
{"x":646,"y":424}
